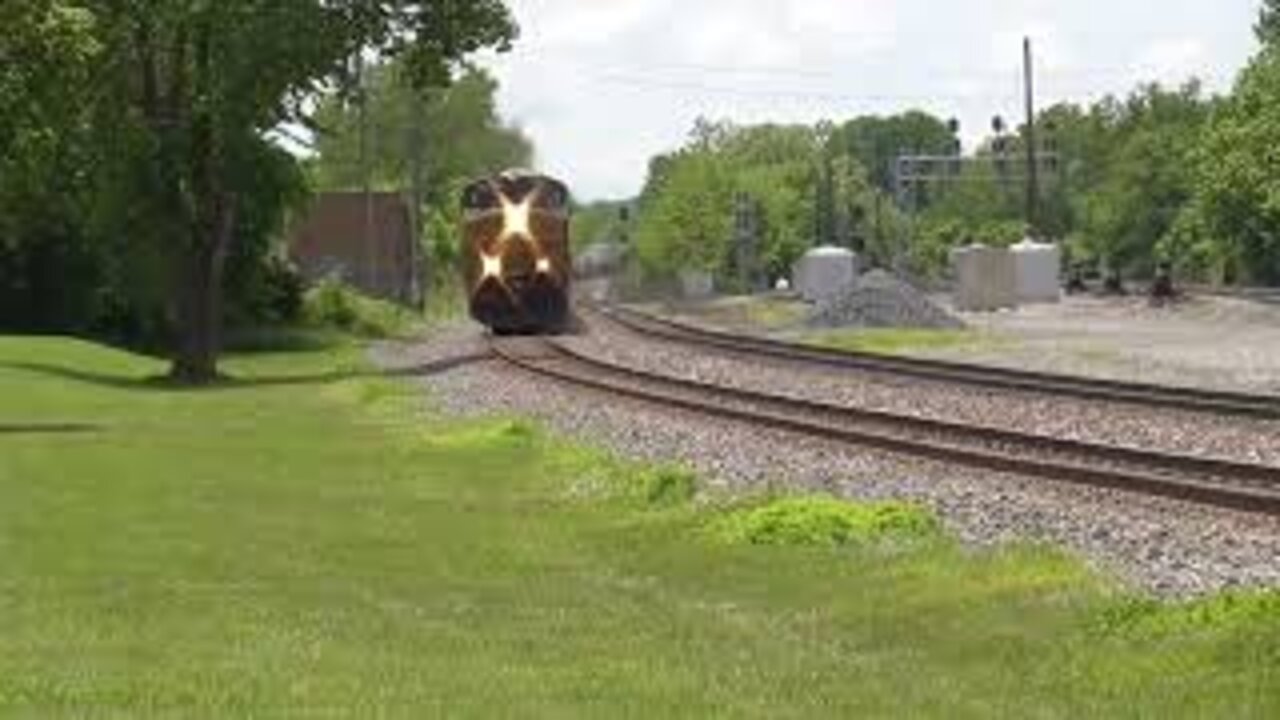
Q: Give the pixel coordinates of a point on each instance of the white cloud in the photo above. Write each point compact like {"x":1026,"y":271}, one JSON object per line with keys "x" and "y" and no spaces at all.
{"x":602,"y":85}
{"x":1170,"y":61}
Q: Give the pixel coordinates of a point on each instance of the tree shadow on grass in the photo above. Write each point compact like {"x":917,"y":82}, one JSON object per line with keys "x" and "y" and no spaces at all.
{"x":48,"y":428}
{"x":163,"y":383}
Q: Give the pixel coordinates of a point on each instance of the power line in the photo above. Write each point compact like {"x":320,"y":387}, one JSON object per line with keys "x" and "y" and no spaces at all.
{"x":787,"y":93}
{"x":947,"y":72}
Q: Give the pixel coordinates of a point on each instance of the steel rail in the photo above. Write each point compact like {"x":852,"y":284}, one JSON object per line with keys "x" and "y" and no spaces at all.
{"x":1240,"y":486}
{"x":1144,"y":394}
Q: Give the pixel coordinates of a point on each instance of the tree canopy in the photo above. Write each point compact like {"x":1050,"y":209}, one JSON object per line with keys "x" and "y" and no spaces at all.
{"x":1161,"y":175}
{"x":796,"y":190}
{"x":169,"y":106}
{"x":451,"y":133}
{"x":1268,"y":27}
{"x":1234,"y":213}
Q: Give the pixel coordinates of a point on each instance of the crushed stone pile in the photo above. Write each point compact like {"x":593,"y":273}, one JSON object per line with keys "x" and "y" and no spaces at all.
{"x":881,"y":300}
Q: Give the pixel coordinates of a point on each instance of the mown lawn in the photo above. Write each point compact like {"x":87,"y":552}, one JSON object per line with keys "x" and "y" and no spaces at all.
{"x":305,"y":543}
{"x":890,"y":341}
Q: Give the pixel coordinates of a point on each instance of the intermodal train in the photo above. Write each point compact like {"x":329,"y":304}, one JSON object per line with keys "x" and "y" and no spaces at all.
{"x":516,"y":267}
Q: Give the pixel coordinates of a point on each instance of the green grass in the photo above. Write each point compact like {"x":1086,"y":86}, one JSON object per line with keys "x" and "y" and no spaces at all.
{"x":748,"y":312}
{"x":307,"y":541}
{"x":818,"y":521}
{"x":890,"y":341}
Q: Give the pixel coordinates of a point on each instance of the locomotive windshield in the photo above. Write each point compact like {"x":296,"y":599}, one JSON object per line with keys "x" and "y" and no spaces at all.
{"x":479,"y":197}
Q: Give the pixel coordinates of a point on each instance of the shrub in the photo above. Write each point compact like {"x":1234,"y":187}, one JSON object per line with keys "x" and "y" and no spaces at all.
{"x":333,"y":305}
{"x":669,"y":486}
{"x":823,"y":521}
{"x":268,"y":294}
{"x":1142,"y":616}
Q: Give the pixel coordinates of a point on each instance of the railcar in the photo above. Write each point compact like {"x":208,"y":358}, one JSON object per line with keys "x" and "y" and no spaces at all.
{"x":516,"y":264}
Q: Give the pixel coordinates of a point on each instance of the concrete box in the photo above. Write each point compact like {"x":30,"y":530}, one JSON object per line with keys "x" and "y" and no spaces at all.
{"x":696,"y":285}
{"x":1038,"y":266}
{"x":825,"y":272}
{"x":986,"y":279}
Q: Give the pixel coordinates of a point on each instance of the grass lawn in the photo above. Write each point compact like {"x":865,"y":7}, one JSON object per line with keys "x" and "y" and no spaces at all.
{"x":744,"y":313}
{"x":305,"y":543}
{"x":891,"y":341}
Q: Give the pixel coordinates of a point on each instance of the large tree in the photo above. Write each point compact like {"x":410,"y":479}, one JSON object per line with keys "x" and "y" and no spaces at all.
{"x":47,"y":265}
{"x":1268,"y":26}
{"x":200,"y":82}
{"x":437,"y":135}
{"x":1136,"y":175}
{"x":876,"y":142}
{"x":800,"y":194}
{"x":1237,"y":174}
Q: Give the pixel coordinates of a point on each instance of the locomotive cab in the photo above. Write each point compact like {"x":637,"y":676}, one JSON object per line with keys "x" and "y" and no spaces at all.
{"x":515,"y":260}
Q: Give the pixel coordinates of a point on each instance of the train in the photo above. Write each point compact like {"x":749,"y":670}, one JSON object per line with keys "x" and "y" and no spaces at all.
{"x":515,"y":259}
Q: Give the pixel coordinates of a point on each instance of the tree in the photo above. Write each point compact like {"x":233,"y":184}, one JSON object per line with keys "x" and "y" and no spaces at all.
{"x":803,"y":193}
{"x":48,"y":267}
{"x":600,"y":221}
{"x":200,"y":83}
{"x":1140,"y":177}
{"x":451,"y":133}
{"x":687,"y":221}
{"x":1237,"y":175}
{"x":876,"y":142}
{"x":1268,"y":25}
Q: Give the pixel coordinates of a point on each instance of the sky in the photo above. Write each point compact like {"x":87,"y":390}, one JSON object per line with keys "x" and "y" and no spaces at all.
{"x":603,"y":85}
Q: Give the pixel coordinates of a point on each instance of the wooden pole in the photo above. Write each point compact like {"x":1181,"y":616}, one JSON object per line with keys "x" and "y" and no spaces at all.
{"x":1033,"y":176}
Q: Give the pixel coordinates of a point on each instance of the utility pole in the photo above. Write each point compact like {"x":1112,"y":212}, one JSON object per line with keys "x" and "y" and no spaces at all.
{"x":1033,"y":177}
{"x":371,"y":252}
{"x":417,"y":148}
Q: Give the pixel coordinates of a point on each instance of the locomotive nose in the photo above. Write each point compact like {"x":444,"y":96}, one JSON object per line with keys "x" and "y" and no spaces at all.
{"x":519,"y":261}
{"x":517,"y":189}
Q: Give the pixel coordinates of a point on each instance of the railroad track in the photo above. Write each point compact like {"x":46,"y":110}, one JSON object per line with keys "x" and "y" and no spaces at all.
{"x":1142,"y":394}
{"x":1224,"y":483}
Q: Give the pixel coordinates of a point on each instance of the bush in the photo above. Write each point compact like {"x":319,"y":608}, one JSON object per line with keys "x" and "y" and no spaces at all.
{"x":823,"y":521}
{"x":1142,"y":616}
{"x":332,"y":305}
{"x":268,"y":294}
{"x":282,"y":289}
{"x":669,"y":486}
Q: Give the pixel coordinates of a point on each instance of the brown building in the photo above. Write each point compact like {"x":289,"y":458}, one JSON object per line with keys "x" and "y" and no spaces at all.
{"x":365,"y":240}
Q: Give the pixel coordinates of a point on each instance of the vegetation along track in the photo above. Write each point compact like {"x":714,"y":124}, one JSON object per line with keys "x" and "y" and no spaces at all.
{"x":1143,"y":394}
{"x":1241,"y":486}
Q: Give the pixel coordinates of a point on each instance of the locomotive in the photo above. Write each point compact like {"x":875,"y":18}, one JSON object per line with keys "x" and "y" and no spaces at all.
{"x":515,"y":263}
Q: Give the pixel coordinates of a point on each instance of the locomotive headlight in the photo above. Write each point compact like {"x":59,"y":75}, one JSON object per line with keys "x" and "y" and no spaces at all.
{"x":544,"y":266}
{"x":492,"y":265}
{"x":515,"y":218}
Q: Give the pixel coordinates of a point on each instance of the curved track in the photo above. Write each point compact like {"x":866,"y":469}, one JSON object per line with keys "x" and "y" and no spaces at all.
{"x":1147,"y":395}
{"x":1240,"y":486}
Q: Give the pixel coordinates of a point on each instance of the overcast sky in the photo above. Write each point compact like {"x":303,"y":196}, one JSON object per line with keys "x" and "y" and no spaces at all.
{"x":602,"y":85}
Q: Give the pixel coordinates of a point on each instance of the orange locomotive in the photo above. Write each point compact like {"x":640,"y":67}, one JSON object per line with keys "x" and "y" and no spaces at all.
{"x":515,"y":256}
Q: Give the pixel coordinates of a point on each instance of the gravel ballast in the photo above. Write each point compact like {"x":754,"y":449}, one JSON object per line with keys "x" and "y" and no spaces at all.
{"x":1167,"y":547}
{"x":1209,"y":342}
{"x":1234,"y":438}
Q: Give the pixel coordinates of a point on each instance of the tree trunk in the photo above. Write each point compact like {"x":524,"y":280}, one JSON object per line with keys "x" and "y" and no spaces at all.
{"x":199,"y":298}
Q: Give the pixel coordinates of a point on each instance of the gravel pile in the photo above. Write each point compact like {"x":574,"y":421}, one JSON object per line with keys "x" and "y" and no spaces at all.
{"x":880,"y":300}
{"x":1167,"y":547}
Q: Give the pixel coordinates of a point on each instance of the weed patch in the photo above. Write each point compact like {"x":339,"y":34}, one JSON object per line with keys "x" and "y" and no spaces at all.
{"x":822,"y":521}
{"x":668,"y":486}
{"x":1145,"y":617}
{"x":890,"y":341}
